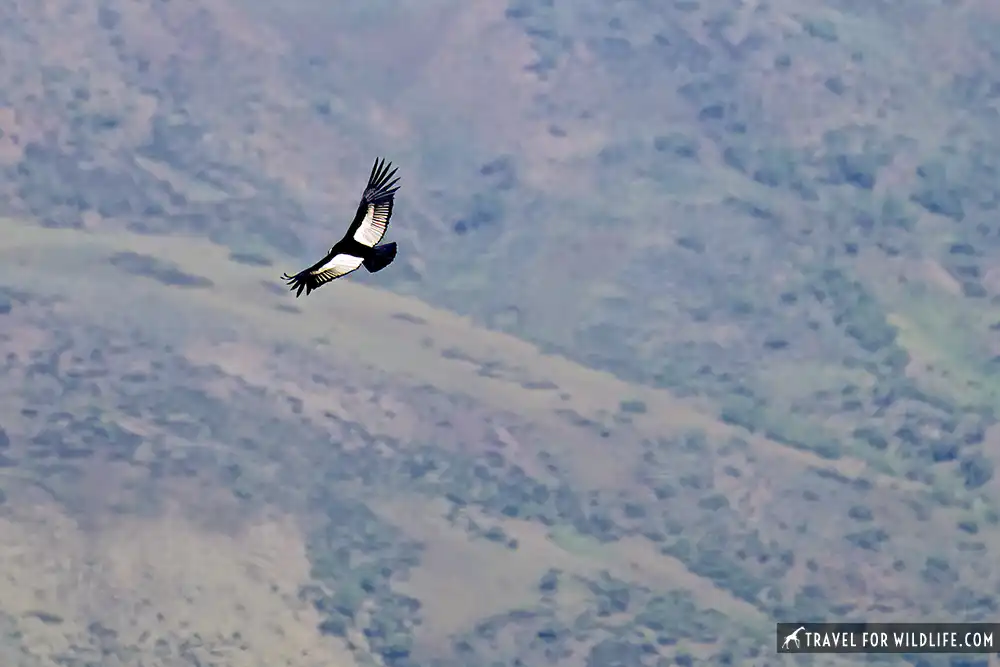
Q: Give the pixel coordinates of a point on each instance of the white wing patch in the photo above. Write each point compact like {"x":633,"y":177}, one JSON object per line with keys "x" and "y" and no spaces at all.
{"x":372,"y":228}
{"x":339,"y":265}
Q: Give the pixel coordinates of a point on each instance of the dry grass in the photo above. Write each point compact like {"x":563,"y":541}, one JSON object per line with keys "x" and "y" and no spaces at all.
{"x":361,"y":321}
{"x":225,"y":593}
{"x":502,"y":579}
{"x":357,"y":327}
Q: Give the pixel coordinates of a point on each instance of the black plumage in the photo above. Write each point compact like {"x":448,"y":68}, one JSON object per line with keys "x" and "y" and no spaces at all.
{"x":360,"y":245}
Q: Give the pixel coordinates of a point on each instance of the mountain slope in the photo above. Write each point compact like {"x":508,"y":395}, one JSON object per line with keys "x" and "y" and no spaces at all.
{"x":443,"y":453}
{"x":695,"y":303}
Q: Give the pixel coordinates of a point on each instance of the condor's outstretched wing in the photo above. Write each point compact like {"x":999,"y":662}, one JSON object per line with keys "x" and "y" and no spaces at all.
{"x":375,"y":208}
{"x":331,"y":267}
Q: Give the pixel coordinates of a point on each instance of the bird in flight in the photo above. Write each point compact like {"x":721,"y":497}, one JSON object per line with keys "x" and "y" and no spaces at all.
{"x":359,"y":247}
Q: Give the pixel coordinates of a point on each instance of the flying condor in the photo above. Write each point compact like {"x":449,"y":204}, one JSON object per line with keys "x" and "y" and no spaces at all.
{"x":359,"y":247}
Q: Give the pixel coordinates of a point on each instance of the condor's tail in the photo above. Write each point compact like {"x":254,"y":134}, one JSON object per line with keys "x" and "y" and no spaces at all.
{"x":380,"y":257}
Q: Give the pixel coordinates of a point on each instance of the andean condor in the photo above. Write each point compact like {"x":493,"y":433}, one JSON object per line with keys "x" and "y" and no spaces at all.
{"x":360,"y":245}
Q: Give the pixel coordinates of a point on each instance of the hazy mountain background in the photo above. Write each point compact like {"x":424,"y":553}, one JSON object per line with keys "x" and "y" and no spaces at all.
{"x":695,"y":325}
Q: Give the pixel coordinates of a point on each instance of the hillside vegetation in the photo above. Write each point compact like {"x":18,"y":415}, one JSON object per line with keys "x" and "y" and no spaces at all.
{"x":695,"y":325}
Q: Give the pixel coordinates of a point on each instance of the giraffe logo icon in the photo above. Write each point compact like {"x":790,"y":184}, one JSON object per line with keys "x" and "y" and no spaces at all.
{"x":794,"y":637}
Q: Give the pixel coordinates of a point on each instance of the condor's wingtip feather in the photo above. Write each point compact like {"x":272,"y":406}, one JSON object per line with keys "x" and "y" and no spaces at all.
{"x":294,"y":284}
{"x":382,"y":186}
{"x":375,"y":170}
{"x":389,"y":188}
{"x":379,"y":170}
{"x":382,"y":172}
